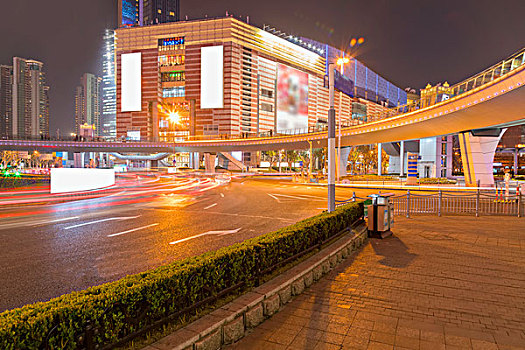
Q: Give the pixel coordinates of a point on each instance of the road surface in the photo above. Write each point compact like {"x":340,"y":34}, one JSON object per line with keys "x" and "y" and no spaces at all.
{"x":53,"y":245}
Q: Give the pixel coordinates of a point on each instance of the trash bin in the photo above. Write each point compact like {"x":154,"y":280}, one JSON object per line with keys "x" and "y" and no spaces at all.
{"x":380,"y":215}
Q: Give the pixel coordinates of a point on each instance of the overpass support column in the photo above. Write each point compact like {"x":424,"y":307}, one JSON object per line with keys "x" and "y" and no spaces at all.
{"x":402,"y":158}
{"x":477,"y":155}
{"x":516,"y":160}
{"x":209,"y":162}
{"x":78,"y":160}
{"x":194,"y":160}
{"x":379,"y":159}
{"x":343,"y":160}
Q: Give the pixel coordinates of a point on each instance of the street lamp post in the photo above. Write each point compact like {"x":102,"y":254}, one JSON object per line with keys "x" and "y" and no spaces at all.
{"x":331,"y":140}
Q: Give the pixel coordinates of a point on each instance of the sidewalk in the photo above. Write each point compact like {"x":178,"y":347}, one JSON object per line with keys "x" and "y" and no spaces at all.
{"x":438,"y":283}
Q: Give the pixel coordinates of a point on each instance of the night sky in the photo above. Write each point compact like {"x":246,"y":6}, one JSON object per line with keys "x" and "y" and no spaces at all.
{"x":409,"y":42}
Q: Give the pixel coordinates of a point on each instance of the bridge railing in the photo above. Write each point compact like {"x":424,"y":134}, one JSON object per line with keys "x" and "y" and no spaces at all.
{"x":499,"y":69}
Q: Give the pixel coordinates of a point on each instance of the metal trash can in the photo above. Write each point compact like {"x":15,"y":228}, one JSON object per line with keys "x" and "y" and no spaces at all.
{"x":380,"y":215}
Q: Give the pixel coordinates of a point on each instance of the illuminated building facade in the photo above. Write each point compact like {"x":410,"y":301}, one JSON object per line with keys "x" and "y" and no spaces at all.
{"x":129,"y":13}
{"x":30,"y":99}
{"x":214,"y":77}
{"x":133,"y":13}
{"x":431,"y":95}
{"x":6,"y":100}
{"x":109,"y":88}
{"x":88,"y":103}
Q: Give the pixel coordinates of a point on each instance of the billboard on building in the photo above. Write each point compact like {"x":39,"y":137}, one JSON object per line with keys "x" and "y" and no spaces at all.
{"x":212,"y":77}
{"x":292,"y":98}
{"x":131,"y":86}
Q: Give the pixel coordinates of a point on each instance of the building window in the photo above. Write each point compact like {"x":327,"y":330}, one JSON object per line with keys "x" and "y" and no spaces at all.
{"x":176,"y":91}
{"x":171,"y":60}
{"x":267,"y":107}
{"x":173,"y":76}
{"x":159,"y":11}
{"x":267,"y":93}
{"x":172,"y":13}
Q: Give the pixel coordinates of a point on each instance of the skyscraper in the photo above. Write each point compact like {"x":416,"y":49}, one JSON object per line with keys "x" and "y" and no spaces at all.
{"x":109,"y":89}
{"x":30,"y":99}
{"x":147,"y":12}
{"x":6,"y":108}
{"x":88,"y":102}
{"x":128,"y":13}
{"x":160,"y":11}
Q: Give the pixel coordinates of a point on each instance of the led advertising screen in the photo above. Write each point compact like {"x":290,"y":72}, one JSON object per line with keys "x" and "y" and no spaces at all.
{"x":212,"y":77}
{"x":131,"y":87}
{"x":292,"y":98}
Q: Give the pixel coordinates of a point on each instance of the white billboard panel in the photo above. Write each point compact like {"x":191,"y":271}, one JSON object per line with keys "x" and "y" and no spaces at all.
{"x":212,"y":77}
{"x":130,"y":82}
{"x":80,"y":179}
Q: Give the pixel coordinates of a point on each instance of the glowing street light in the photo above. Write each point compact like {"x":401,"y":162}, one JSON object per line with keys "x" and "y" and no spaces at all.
{"x":341,"y":61}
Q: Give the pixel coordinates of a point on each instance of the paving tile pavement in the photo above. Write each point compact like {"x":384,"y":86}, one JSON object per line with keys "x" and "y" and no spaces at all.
{"x":438,"y":283}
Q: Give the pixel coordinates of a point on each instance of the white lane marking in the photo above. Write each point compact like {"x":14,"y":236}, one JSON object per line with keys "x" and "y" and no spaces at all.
{"x":102,"y":220}
{"x":218,"y":233}
{"x":222,"y":195}
{"x":56,"y":220}
{"x":210,"y":206}
{"x":277,"y":199}
{"x":310,"y":196}
{"x":295,"y":197}
{"x":133,"y":230}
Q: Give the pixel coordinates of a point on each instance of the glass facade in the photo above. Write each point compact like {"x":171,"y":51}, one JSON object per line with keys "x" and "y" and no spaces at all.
{"x":129,"y":13}
{"x":367,"y":83}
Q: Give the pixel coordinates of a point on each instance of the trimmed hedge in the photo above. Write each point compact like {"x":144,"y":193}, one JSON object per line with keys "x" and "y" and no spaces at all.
{"x":22,"y":181}
{"x":154,"y":294}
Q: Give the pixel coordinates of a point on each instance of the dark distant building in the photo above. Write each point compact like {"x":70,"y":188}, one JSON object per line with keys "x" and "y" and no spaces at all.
{"x":88,"y":103}
{"x":160,"y":11}
{"x":133,"y":13}
{"x":30,"y":99}
{"x":6,"y":95}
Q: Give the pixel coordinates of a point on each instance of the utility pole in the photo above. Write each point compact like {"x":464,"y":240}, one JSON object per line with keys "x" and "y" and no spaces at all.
{"x":331,"y":140}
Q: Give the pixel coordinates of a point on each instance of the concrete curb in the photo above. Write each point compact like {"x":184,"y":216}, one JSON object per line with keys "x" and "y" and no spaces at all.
{"x":229,"y":323}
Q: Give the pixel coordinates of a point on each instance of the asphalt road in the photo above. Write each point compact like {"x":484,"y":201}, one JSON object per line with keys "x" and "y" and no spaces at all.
{"x":53,"y":245}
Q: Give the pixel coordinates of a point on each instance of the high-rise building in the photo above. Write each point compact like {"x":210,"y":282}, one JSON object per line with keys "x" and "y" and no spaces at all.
{"x":88,"y":103}
{"x":30,"y":99}
{"x":6,"y":108}
{"x":109,"y":88}
{"x":147,"y":12}
{"x":129,"y":13}
{"x":160,"y":11}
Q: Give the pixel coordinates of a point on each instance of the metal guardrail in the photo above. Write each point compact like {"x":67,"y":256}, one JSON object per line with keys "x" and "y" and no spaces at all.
{"x":456,"y":203}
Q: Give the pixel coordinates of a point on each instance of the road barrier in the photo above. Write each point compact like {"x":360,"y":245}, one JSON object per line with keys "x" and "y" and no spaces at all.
{"x":456,"y":203}
{"x":113,"y":314}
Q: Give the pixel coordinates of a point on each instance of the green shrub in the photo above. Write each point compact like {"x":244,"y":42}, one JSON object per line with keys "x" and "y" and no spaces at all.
{"x":22,"y":181}
{"x":115,"y":307}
